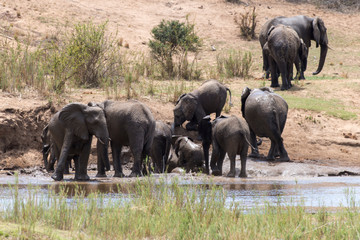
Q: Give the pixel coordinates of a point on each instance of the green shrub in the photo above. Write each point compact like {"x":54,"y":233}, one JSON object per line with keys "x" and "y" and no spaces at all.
{"x":171,"y":40}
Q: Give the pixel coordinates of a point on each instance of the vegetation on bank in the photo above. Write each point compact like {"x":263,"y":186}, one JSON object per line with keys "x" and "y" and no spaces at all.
{"x":150,"y":210}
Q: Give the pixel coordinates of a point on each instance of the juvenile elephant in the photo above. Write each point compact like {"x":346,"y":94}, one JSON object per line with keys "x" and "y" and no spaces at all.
{"x":307,"y":28}
{"x":209,"y":98}
{"x":71,"y":130}
{"x":284,"y":48}
{"x":130,"y":124}
{"x":49,"y":163}
{"x":161,"y":145}
{"x":190,"y":155}
{"x":229,"y":135}
{"x":266,"y":114}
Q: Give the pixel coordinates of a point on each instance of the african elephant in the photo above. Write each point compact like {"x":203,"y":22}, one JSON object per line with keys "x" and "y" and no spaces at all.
{"x":190,"y":155}
{"x":284,"y":48}
{"x":71,"y":130}
{"x":307,"y":28}
{"x":161,"y":145}
{"x":229,"y":135}
{"x":209,"y":98}
{"x":49,"y":163}
{"x":130,"y":124}
{"x":266,"y":114}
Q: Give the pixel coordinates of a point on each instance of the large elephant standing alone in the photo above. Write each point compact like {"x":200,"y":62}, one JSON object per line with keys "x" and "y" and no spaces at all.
{"x":284,"y":48}
{"x":266,"y":114}
{"x":307,"y":28}
{"x":130,"y":124}
{"x":71,"y":130}
{"x":209,"y":98}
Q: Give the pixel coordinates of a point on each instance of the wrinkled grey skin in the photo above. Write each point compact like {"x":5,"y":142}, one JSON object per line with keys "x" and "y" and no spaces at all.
{"x":209,"y":98}
{"x":284,"y":48}
{"x":47,"y":149}
{"x":71,"y":130}
{"x":161,"y":145}
{"x":266,"y":114}
{"x":190,"y":155}
{"x":130,"y":124}
{"x":307,"y":28}
{"x":229,"y":135}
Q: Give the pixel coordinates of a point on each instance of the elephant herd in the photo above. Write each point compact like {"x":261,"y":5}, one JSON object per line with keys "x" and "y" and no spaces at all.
{"x":68,"y":136}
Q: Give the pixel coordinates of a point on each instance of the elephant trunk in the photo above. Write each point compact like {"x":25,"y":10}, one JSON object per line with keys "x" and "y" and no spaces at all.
{"x":323,"y":52}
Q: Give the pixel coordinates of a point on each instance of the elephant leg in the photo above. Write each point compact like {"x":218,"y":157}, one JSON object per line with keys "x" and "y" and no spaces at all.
{"x":254,"y":151}
{"x":136,"y":147}
{"x":101,"y":154}
{"x":116,"y":152}
{"x":243,"y":158}
{"x":81,"y":171}
{"x":215,"y":155}
{"x":206,"y":147}
{"x":232,"y":171}
{"x":271,"y":156}
{"x":221,"y":161}
{"x":283,"y":153}
{"x":274,"y":75}
{"x":59,"y":172}
{"x":54,"y":152}
{"x":284,"y":75}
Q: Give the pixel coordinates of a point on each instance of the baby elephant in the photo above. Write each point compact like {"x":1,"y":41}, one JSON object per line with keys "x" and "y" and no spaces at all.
{"x":160,"y":147}
{"x":190,"y":155}
{"x":229,"y":135}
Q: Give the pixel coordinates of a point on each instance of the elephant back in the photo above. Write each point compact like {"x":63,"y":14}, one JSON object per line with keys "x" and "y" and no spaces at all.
{"x":212,"y":96}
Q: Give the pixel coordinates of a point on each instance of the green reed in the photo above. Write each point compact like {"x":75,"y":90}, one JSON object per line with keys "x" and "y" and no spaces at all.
{"x":156,"y":209}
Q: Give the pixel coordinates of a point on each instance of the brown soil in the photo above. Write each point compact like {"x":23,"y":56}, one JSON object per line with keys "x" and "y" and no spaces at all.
{"x":309,"y":137}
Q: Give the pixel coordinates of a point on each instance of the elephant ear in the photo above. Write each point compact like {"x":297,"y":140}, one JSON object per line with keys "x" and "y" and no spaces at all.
{"x":190,"y":104}
{"x":181,"y":96}
{"x":177,"y":145}
{"x":72,"y":115}
{"x":269,"y":32}
{"x":318,"y":30}
{"x":245,"y":93}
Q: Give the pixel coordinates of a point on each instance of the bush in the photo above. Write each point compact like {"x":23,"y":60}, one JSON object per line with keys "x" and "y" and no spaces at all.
{"x":234,"y":64}
{"x":247,"y":24}
{"x":171,"y":43}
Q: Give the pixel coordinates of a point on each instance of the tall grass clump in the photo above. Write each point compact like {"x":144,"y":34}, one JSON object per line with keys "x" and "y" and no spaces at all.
{"x":171,"y":43}
{"x":21,"y":66}
{"x":234,"y":64}
{"x":155,"y":209}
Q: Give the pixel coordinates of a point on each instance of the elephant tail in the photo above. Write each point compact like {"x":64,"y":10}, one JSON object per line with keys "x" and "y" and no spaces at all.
{"x":230,"y":103}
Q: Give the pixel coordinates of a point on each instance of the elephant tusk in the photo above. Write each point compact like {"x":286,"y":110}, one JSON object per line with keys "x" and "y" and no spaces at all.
{"x":101,"y":141}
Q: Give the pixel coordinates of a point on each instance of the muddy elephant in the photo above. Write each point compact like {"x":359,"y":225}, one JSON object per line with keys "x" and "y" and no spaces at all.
{"x":209,"y":98}
{"x":284,"y":48}
{"x":49,"y":161}
{"x":71,"y":131}
{"x":190,"y":155}
{"x":266,"y":114}
{"x":161,"y":145}
{"x":307,"y":28}
{"x":229,"y":135}
{"x":129,"y":123}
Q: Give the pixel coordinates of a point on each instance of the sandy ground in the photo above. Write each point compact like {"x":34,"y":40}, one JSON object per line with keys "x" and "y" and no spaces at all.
{"x":312,"y":139}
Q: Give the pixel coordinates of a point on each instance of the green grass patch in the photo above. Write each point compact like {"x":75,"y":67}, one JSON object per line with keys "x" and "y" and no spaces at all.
{"x":331,"y":107}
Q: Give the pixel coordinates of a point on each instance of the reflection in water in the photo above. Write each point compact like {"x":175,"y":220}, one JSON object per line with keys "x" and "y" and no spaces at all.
{"x":314,"y":192}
